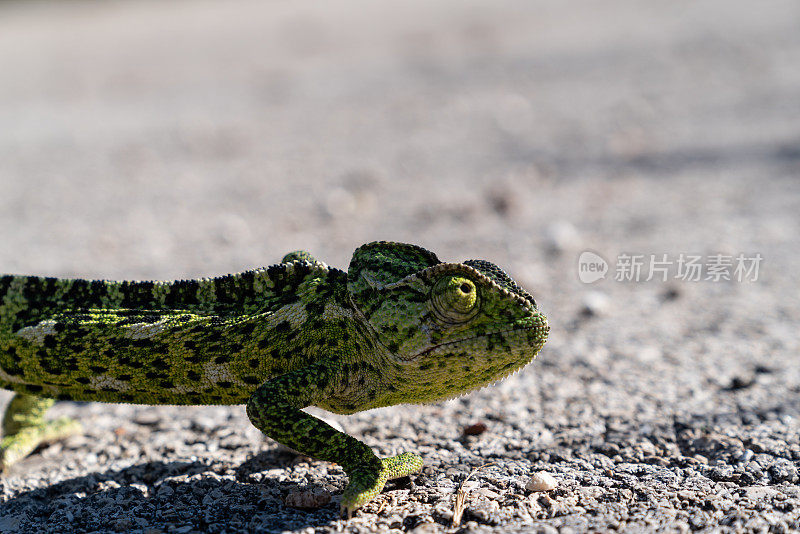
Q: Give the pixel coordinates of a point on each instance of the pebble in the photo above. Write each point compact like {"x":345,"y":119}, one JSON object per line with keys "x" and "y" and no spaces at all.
{"x":541,"y":481}
{"x":561,"y":236}
{"x":594,"y":303}
{"x":475,"y":429}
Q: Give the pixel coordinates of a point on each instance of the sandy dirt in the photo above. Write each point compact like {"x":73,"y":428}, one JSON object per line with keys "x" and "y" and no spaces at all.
{"x":180,"y":139}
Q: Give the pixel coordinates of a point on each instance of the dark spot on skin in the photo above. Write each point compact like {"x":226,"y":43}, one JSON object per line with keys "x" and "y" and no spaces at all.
{"x":315,"y":308}
{"x":82,"y":380}
{"x":124,"y":378}
{"x":214,"y":336}
{"x":236,"y":347}
{"x":160,"y":364}
{"x":152,"y":375}
{"x":166,"y":384}
{"x":248,"y":329}
{"x":64,"y":397}
{"x":221,"y":359}
{"x":32,"y":388}
{"x":393,"y":347}
{"x":283,"y":327}
{"x":251,"y":380}
{"x":193,"y":375}
{"x":97,"y":369}
{"x":264,"y":343}
{"x":225,"y":384}
{"x":50,"y":341}
{"x":189,"y":345}
{"x":126,"y":397}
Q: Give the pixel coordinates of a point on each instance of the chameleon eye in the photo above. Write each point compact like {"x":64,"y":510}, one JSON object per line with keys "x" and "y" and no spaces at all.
{"x":455,"y":299}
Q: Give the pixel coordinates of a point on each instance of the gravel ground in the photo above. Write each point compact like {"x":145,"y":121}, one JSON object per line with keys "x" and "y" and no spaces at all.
{"x":169,"y":140}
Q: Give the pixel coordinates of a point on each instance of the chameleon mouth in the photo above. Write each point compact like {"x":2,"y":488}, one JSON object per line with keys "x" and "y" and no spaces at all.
{"x":526,"y":350}
{"x":543,"y":328}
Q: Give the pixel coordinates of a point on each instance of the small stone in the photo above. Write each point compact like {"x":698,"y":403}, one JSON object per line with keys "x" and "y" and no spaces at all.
{"x":489,"y":494}
{"x":740,"y":382}
{"x":147,"y":418}
{"x":541,"y":481}
{"x":782,"y":471}
{"x":594,"y":303}
{"x":476,"y":429}
{"x":561,"y":236}
{"x":308,"y":499}
{"x":671,"y":293}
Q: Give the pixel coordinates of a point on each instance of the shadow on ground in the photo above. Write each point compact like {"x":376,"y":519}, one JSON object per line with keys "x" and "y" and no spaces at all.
{"x":173,"y":496}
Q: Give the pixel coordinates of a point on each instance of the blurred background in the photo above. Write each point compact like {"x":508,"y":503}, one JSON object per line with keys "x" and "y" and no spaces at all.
{"x":166,"y":139}
{"x":151,"y":139}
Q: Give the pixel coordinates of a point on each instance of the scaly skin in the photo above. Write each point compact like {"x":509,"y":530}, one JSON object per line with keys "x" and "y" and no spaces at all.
{"x":398,"y":327}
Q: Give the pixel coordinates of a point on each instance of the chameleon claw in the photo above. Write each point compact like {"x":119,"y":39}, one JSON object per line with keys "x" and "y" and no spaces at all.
{"x":366,"y":484}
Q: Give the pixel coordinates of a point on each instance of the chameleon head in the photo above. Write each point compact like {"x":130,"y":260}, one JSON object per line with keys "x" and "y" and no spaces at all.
{"x":449,"y":327}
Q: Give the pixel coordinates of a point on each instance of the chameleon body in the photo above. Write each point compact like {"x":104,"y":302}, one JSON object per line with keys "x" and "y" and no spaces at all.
{"x":398,"y":326}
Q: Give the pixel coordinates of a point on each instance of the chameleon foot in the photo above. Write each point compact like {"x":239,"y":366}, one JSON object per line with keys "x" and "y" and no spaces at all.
{"x":19,"y":445}
{"x":365,"y":483}
{"x":25,"y":428}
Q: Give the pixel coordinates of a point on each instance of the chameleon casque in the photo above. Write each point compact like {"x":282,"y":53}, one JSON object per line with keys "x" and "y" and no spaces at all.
{"x":398,"y":327}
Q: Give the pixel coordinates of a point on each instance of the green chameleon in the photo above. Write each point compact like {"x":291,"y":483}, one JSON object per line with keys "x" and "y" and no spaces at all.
{"x":398,"y":327}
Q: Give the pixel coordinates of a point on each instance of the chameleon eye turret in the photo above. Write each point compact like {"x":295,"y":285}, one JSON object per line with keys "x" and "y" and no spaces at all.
{"x":399,"y":326}
{"x":455,"y":299}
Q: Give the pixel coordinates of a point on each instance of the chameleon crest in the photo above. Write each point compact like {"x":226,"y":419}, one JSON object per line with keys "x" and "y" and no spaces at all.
{"x":398,"y":327}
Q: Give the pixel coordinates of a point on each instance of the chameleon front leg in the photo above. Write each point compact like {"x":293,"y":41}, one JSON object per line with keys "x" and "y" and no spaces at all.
{"x":24,"y":428}
{"x":274,"y":409}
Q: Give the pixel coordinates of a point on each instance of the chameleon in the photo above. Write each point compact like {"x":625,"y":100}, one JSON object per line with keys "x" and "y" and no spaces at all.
{"x":398,"y":326}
